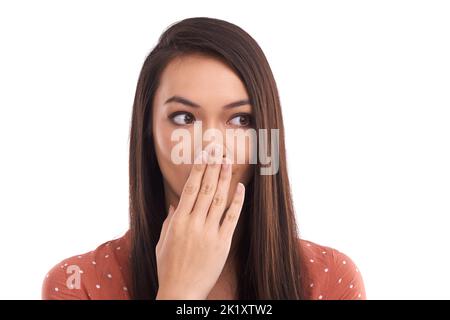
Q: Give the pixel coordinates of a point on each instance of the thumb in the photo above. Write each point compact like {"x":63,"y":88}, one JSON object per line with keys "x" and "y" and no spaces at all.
{"x":166,"y":223}
{"x":171,"y":211}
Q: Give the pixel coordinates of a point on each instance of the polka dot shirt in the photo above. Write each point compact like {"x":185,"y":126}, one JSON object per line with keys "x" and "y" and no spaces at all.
{"x":104,"y":274}
{"x":331,"y":274}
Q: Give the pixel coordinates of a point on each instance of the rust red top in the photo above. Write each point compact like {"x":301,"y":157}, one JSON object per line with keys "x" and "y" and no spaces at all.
{"x":104,"y":273}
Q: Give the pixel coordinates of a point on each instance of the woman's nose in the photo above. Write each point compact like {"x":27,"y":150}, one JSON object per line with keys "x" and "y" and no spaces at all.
{"x":214,"y":139}
{"x":216,"y":150}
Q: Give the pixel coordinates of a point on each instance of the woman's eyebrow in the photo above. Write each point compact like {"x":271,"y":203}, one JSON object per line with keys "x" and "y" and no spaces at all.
{"x":189,"y":103}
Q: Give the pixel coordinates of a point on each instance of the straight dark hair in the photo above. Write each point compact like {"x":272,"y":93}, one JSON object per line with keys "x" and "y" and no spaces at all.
{"x":270,"y":263}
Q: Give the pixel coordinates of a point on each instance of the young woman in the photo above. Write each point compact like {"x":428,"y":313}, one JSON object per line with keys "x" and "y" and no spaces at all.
{"x":216,"y":228}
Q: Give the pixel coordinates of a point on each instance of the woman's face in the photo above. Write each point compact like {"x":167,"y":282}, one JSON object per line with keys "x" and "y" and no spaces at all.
{"x":195,"y":88}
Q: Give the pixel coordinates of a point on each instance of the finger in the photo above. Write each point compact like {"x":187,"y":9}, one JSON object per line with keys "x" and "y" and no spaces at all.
{"x":166,"y":224}
{"x":167,"y":221}
{"x":220,"y":199}
{"x":232,"y":215}
{"x":207,"y":188}
{"x":192,"y":185}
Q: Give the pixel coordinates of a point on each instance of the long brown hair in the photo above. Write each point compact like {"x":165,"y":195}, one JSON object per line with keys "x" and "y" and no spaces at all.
{"x":270,"y":264}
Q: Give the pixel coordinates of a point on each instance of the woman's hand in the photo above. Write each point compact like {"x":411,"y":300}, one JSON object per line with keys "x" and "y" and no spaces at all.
{"x":193,"y":245}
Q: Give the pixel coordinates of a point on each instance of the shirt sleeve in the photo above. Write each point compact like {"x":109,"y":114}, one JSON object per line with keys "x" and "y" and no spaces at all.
{"x":345,"y":282}
{"x":62,"y":282}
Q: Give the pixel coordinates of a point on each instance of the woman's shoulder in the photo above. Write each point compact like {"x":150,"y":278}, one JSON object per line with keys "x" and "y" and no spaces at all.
{"x":98,"y":274}
{"x":332,"y":274}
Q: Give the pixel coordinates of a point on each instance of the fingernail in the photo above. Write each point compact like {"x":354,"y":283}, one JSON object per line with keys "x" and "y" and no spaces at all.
{"x":198,"y":158}
{"x":226,"y":163}
{"x":204,"y":156}
{"x":240,"y":188}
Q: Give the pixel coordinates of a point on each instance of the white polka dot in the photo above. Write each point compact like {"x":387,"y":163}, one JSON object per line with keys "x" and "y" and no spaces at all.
{"x":311,"y":260}
{"x":56,"y":289}
{"x":106,"y":256}
{"x":320,"y":297}
{"x":81,"y":271}
{"x":359,"y":295}
{"x":324,"y":252}
{"x":125,"y":289}
{"x":93,"y":262}
{"x":326,"y":269}
{"x":350,"y":286}
{"x":65,"y":264}
{"x":118,"y":248}
{"x":311,"y":285}
{"x":308,"y":244}
{"x":97,"y":286}
{"x":340,"y":280}
{"x":109,"y":275}
{"x":344,"y":262}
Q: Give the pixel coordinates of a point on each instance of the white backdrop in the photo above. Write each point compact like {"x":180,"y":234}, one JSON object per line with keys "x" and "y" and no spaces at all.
{"x":365,"y":90}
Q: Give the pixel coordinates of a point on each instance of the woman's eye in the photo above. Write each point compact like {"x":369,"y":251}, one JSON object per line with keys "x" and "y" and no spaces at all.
{"x":242,"y":120}
{"x":182,"y":118}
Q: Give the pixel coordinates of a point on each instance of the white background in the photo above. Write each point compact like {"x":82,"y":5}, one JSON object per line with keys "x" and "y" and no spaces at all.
{"x":365,"y":90}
